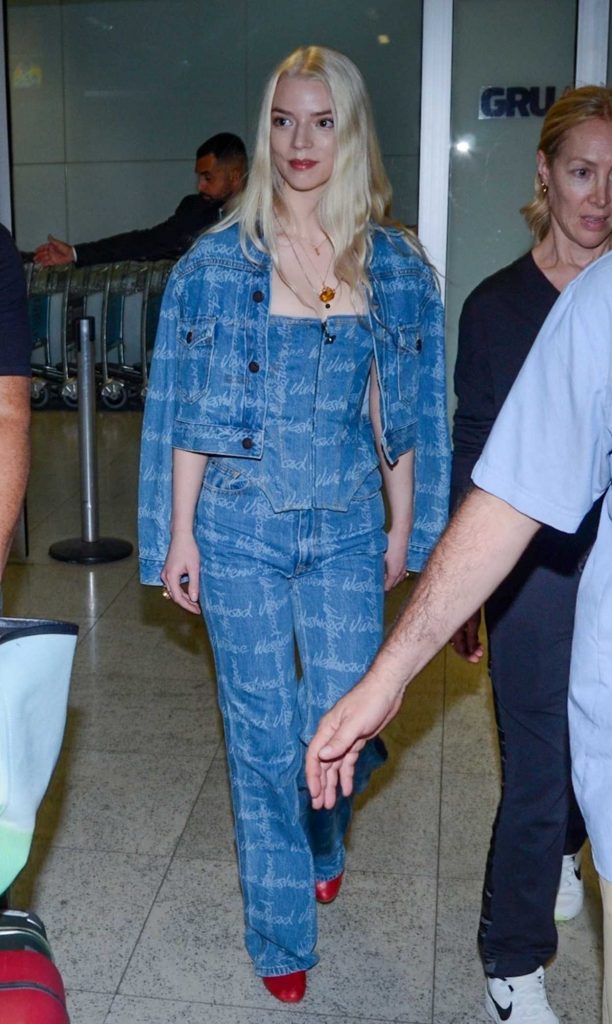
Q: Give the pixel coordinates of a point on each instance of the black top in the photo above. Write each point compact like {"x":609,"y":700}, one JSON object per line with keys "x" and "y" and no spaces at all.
{"x":499,"y":323}
{"x":15,"y":336}
{"x":165,"y":241}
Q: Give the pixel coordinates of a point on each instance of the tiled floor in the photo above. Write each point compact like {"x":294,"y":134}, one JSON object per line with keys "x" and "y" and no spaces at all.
{"x":133,"y":864}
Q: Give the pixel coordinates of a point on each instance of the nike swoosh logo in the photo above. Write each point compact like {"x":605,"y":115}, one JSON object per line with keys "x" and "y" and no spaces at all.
{"x":503,"y":1014}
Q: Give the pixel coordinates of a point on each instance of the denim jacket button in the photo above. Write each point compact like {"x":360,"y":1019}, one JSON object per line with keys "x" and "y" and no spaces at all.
{"x":247,"y":442}
{"x":418,"y":344}
{"x":258,"y":296}
{"x":189,"y":335}
{"x":253,"y":366}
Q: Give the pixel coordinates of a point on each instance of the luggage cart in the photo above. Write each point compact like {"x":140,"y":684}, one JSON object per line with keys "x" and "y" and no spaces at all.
{"x":157,"y":277}
{"x":125,"y":300}
{"x":121,"y":379}
{"x":48,"y":291}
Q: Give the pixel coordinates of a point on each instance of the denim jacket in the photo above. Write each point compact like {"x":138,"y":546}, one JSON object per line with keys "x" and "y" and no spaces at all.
{"x":207,"y":386}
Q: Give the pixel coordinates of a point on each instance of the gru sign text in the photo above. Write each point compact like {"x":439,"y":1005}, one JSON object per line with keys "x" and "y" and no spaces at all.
{"x":515,"y":101}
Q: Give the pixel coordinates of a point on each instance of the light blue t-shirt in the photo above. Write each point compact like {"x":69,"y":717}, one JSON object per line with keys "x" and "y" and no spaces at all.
{"x":549,"y":456}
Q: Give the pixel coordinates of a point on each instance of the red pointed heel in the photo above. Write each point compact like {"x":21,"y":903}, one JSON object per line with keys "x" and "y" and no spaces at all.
{"x":289,"y":988}
{"x":326,"y":892}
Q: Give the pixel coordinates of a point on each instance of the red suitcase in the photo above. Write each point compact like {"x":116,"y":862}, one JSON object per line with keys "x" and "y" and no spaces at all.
{"x":31,"y":987}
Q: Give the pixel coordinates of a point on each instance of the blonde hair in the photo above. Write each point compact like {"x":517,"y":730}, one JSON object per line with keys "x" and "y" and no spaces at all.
{"x":589,"y":103}
{"x":358,"y":191}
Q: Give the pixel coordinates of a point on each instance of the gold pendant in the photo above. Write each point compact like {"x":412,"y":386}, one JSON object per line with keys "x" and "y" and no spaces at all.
{"x":327,"y":294}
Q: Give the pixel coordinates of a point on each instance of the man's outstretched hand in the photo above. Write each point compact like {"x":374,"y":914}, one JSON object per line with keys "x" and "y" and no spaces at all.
{"x":342,"y":734}
{"x":53,"y":253}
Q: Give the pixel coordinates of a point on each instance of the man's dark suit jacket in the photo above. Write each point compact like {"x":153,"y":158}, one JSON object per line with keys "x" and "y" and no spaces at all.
{"x":165,"y":241}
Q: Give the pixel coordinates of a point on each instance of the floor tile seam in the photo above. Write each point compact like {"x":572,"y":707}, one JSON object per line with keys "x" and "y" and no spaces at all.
{"x":129,"y":579}
{"x":378,"y":873}
{"x":107,"y":851}
{"x":166,"y":871}
{"x":82,"y":680}
{"x":353,"y":872}
{"x":399,"y":771}
{"x":470,"y":877}
{"x":132,"y":751}
{"x":73,"y":990}
{"x":464,"y":773}
{"x":181,"y":701}
{"x":81,"y":636}
{"x":296,"y":1014}
{"x":33,"y":526}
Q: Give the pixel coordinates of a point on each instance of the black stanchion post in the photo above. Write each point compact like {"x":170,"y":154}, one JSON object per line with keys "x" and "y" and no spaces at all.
{"x":89,"y":548}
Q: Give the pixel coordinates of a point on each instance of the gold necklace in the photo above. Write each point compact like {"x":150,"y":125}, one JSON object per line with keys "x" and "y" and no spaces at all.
{"x":312,"y":244}
{"x":326,"y":293}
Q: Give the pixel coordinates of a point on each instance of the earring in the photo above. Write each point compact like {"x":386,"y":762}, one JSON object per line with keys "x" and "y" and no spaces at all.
{"x":543,"y":188}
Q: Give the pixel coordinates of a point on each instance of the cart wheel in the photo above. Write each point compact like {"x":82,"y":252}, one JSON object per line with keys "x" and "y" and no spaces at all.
{"x":70,"y":393}
{"x":114,"y":395}
{"x":39,"y":394}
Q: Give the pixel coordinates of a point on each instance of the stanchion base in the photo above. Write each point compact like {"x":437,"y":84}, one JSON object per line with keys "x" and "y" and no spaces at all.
{"x":89,"y":552}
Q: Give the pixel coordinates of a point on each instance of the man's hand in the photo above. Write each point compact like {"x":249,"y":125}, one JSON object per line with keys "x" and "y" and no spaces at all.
{"x":342,"y":734}
{"x":466,"y":641}
{"x":53,"y":253}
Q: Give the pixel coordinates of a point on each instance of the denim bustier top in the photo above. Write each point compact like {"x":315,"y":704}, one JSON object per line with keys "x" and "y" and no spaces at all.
{"x":319,"y":444}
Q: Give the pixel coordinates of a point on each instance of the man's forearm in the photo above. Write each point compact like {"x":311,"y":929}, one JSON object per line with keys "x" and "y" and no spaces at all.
{"x":15,"y":462}
{"x":482,"y":543}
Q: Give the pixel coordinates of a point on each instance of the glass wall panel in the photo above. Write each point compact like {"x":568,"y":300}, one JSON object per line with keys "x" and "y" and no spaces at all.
{"x":510,"y":59}
{"x":110,"y":98}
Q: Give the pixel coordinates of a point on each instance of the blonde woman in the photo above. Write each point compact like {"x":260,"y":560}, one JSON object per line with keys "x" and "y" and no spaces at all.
{"x":299,"y":361}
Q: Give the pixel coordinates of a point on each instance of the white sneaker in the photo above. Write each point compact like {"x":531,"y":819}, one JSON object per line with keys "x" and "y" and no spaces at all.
{"x":519,"y":1000}
{"x":570,"y":896}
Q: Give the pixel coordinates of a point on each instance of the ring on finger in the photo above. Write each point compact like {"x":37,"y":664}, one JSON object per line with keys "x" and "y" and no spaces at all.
{"x":166,"y":594}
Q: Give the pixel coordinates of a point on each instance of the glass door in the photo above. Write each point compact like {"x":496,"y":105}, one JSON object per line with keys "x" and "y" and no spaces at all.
{"x":511,"y":59}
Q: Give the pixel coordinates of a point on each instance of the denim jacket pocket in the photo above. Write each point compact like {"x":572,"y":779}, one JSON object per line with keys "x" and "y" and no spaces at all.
{"x":409,"y":344}
{"x":221,"y":476}
{"x":194,"y":355}
{"x":370,"y":485}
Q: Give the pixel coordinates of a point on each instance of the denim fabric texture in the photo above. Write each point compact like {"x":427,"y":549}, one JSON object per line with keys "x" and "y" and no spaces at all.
{"x":292,"y":552}
{"x":270,"y":580}
{"x":209,"y":392}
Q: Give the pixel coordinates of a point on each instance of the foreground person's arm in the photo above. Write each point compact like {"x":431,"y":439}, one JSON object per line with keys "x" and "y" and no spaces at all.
{"x":15,"y":463}
{"x":482,"y":543}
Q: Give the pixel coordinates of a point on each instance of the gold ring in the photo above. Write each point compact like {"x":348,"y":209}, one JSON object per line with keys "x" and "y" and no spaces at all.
{"x":166,"y":593}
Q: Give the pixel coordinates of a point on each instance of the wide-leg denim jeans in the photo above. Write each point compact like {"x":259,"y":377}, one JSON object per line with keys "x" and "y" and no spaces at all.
{"x":271,"y":581}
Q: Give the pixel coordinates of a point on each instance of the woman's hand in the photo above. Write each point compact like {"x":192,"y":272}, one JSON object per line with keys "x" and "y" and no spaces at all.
{"x":395,"y":557}
{"x":183,"y":559}
{"x":466,"y":641}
